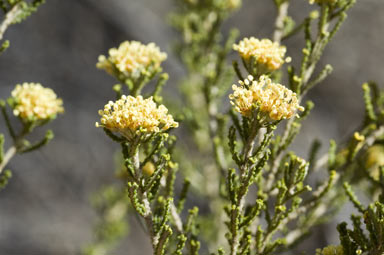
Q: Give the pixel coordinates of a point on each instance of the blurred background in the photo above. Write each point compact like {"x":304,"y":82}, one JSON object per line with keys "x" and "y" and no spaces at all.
{"x":45,"y":209}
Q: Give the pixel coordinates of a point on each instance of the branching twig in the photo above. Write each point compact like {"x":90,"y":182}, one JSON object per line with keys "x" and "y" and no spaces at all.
{"x":7,"y":157}
{"x":279,"y":22}
{"x":9,"y":19}
{"x":323,"y":160}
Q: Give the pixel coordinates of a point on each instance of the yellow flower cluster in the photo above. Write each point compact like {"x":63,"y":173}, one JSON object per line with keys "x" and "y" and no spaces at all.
{"x":131,"y":58}
{"x":265,"y":52}
{"x":131,"y":114}
{"x":34,"y":102}
{"x":275,"y":100}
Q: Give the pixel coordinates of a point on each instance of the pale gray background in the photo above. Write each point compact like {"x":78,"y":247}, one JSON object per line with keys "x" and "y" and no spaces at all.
{"x":45,"y":209}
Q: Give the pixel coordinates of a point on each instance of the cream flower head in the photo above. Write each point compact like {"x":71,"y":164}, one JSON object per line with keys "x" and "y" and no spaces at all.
{"x":267,"y":54}
{"x":132,"y":58}
{"x":130,"y":115}
{"x":274,"y":100}
{"x":33,"y":102}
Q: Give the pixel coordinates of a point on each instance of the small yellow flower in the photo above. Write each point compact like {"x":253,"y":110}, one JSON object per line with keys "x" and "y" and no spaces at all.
{"x":130,"y":115}
{"x":266,"y":53}
{"x":274,"y":100}
{"x":132,"y":58}
{"x":33,"y":102}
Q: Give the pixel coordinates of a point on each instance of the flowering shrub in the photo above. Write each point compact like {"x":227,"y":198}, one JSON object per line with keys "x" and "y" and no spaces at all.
{"x":257,"y":195}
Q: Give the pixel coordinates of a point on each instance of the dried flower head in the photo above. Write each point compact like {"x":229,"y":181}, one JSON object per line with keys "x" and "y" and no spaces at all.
{"x":132,"y":58}
{"x":266,"y":53}
{"x":274,"y":100}
{"x":33,"y":102}
{"x":130,"y":115}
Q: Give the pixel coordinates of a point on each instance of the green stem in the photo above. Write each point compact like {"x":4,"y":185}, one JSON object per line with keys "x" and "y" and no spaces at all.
{"x":17,"y":146}
{"x":238,"y":209}
{"x":213,"y":127}
{"x":294,"y":31}
{"x":134,"y":154}
{"x":248,"y":148}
